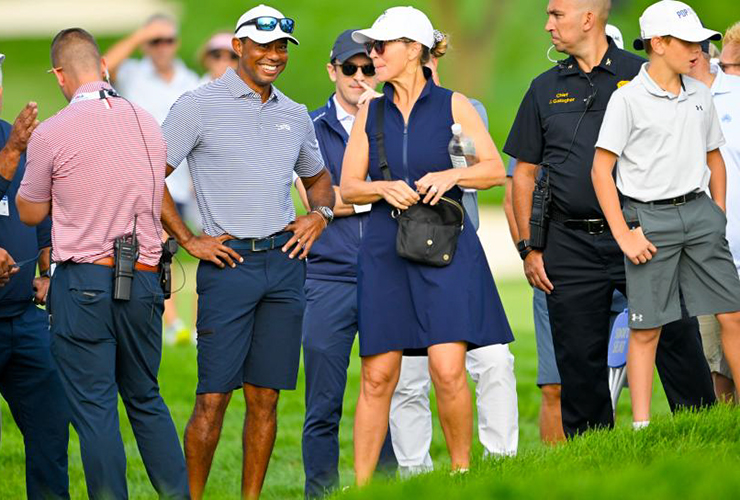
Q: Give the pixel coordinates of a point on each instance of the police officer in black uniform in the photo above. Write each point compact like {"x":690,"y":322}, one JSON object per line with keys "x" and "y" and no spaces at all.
{"x":557,"y":124}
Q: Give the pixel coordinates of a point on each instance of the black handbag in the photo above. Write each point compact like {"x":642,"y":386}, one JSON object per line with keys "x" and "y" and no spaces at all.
{"x":427,"y":234}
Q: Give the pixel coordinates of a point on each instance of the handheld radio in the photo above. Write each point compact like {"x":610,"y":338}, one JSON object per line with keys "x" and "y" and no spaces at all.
{"x":125,"y":255}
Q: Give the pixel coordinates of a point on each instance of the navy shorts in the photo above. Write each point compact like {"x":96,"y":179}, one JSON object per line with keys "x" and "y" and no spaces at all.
{"x":249,"y":322}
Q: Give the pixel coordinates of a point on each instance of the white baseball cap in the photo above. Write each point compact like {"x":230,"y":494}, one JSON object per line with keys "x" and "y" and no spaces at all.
{"x":260,"y":35}
{"x":399,"y":22}
{"x":615,"y":34}
{"x":671,"y":18}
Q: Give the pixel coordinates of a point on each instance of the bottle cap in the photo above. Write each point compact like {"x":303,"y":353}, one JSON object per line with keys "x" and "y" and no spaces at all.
{"x":456,"y":129}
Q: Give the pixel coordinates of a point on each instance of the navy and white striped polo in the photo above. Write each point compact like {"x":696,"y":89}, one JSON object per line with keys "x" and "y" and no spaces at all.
{"x":241,"y":154}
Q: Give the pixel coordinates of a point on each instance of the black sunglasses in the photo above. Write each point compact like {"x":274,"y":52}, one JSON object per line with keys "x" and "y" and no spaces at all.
{"x":269,"y":23}
{"x":221,"y":54}
{"x":724,"y":66}
{"x":162,"y":41}
{"x":350,"y":69}
{"x":379,"y":45}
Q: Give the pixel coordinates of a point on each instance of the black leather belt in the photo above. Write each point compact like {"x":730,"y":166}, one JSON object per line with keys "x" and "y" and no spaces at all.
{"x":260,"y":244}
{"x":677,"y":201}
{"x":591,"y":226}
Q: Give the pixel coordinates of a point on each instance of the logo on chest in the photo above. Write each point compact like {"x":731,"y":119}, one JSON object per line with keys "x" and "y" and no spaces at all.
{"x":283,"y":126}
{"x":726,"y":119}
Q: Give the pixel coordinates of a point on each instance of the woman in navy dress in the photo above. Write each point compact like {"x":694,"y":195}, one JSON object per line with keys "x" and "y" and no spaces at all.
{"x":405,"y":306}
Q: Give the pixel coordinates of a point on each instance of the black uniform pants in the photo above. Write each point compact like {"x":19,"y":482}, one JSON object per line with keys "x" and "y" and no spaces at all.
{"x":584,"y":270}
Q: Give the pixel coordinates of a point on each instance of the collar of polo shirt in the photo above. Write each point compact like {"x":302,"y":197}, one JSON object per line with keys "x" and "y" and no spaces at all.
{"x":721,"y":84}
{"x":688,"y":85}
{"x":239,"y":88}
{"x":608,"y":62}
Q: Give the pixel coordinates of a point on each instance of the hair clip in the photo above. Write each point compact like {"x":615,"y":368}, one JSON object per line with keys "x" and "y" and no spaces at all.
{"x":438,"y":36}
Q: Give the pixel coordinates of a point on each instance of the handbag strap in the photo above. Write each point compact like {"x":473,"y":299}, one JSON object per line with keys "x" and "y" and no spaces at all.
{"x":380,"y":138}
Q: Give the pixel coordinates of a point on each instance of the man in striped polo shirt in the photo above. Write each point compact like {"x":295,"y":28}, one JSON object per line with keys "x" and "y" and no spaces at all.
{"x":98,"y":167}
{"x":243,"y":139}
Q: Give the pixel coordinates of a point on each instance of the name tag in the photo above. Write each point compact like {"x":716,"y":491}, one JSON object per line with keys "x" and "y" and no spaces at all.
{"x":4,"y":207}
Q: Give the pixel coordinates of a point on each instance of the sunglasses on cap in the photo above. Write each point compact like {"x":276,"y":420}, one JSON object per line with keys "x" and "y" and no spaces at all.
{"x":219,"y":54}
{"x":269,"y":23}
{"x":379,"y":45}
{"x":350,"y":69}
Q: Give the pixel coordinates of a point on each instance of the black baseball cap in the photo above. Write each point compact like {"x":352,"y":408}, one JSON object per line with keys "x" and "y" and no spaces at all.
{"x":344,"y":47}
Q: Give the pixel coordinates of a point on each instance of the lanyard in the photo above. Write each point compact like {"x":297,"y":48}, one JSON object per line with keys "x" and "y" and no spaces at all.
{"x":102,"y":94}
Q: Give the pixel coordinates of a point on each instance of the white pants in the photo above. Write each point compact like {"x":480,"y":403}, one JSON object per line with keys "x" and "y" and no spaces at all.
{"x":492,"y":369}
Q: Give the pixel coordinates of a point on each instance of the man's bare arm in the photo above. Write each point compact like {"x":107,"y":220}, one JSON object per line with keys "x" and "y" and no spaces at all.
{"x":534,"y":264}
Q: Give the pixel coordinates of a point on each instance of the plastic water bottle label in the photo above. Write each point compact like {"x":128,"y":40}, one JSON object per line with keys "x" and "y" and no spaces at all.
{"x":458,"y":161}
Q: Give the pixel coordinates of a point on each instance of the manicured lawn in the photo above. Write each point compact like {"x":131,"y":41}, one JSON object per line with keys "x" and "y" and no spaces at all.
{"x":535,"y":469}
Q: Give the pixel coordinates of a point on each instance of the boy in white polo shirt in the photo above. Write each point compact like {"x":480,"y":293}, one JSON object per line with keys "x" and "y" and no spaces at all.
{"x":663,"y":132}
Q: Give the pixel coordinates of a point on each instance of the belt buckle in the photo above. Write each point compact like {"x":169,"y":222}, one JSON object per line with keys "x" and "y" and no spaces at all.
{"x":680,"y":200}
{"x":254,"y":248}
{"x":600,"y":224}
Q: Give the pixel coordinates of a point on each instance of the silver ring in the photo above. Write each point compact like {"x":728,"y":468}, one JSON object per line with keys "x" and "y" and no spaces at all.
{"x":433,"y":189}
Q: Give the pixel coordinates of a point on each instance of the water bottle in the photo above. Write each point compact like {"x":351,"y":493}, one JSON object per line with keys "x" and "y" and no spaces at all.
{"x":462,"y":150}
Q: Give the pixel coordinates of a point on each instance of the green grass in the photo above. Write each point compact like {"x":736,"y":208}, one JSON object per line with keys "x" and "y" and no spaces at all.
{"x":568,"y":470}
{"x":692,"y":455}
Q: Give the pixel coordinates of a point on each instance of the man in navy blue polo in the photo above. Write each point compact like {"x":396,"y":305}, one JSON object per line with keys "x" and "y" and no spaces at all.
{"x":28,"y":377}
{"x":330,"y":319}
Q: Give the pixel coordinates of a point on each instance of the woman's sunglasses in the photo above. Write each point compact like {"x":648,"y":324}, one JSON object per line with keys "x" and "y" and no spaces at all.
{"x":349,"y":69}
{"x":269,"y":23}
{"x":219,"y":54}
{"x":379,"y":45}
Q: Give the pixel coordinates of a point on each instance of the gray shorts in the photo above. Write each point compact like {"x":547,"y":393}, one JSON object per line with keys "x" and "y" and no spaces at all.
{"x":693,"y":254}
{"x":547,"y":368}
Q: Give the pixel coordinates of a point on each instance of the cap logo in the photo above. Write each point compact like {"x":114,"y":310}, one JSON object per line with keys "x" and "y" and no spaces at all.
{"x":683,"y":13}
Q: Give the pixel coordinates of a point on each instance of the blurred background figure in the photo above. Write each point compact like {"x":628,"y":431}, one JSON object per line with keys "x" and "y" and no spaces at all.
{"x":217,"y":55}
{"x":154,"y":82}
{"x":729,"y":61}
{"x":725,"y":90}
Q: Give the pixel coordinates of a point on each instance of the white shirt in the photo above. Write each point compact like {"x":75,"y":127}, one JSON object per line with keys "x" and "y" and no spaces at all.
{"x":346,"y":119}
{"x":661,"y":139}
{"x":138,"y":81}
{"x":726,"y":94}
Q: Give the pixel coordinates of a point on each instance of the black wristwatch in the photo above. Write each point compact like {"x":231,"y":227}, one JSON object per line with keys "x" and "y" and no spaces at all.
{"x":524,"y":248}
{"x":44,"y":274}
{"x":326,"y":212}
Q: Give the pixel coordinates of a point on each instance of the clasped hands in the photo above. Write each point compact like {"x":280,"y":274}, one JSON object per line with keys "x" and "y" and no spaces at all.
{"x":429,"y":189}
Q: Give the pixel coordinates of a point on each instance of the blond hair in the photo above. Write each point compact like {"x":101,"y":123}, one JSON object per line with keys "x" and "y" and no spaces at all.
{"x":732,"y":35}
{"x":439,"y":49}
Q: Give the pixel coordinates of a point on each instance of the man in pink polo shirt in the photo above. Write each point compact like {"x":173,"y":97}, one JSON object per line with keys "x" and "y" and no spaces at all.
{"x":98,"y":167}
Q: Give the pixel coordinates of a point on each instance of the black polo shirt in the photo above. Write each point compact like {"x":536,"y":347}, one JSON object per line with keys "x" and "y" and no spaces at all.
{"x":546,"y":123}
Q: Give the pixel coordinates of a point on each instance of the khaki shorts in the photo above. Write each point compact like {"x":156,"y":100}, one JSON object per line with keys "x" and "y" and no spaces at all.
{"x":693,"y":255}
{"x":712,"y":343}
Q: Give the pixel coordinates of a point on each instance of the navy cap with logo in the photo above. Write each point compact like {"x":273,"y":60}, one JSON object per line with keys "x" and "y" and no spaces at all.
{"x":344,"y":47}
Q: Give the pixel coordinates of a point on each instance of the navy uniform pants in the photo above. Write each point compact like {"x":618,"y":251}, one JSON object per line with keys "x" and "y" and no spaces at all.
{"x":104,"y":348}
{"x":329,"y":329}
{"x":30,"y":384}
{"x":585,"y":270}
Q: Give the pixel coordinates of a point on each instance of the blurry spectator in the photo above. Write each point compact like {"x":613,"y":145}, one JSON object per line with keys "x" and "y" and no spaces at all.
{"x":726,"y":95}
{"x":729,"y":61}
{"x":217,"y":55}
{"x":154,"y":83}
